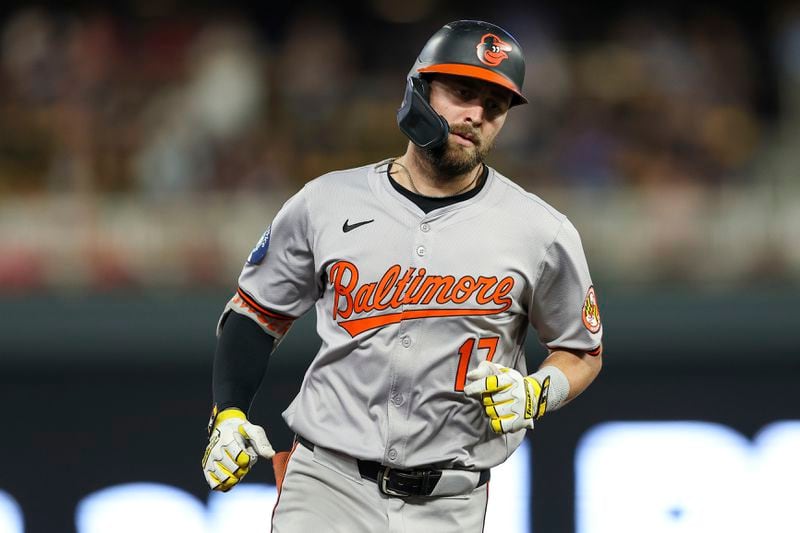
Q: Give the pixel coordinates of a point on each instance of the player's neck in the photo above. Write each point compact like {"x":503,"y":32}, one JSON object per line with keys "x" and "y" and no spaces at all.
{"x":416,"y":174}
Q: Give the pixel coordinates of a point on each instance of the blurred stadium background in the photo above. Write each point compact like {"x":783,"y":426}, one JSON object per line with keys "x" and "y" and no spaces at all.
{"x":144,"y":148}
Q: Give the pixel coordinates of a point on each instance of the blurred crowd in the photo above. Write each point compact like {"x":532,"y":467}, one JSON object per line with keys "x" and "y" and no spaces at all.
{"x":176,"y":104}
{"x":101,"y":105}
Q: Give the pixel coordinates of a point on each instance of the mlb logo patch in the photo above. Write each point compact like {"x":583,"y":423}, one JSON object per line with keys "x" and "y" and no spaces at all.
{"x":258,"y":253}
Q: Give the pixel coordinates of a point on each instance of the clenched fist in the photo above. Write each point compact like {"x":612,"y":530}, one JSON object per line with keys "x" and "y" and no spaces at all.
{"x":510,"y":400}
{"x":234,"y":446}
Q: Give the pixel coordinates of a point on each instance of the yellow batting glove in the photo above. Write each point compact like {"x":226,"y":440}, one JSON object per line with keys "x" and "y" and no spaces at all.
{"x":511,"y":401}
{"x":234,"y":446}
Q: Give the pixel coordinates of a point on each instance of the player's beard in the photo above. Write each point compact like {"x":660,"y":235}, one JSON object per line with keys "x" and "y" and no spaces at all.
{"x":451,"y":160}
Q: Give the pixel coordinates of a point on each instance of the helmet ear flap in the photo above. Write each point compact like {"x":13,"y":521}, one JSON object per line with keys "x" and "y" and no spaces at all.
{"x":422,"y":84}
{"x":417,"y":119}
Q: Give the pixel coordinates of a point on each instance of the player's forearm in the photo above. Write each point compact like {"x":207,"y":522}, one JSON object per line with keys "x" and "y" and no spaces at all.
{"x":240,"y":361}
{"x":580,"y":368}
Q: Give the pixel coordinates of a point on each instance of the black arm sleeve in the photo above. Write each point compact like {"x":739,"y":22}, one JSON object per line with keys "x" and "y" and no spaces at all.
{"x":240,"y":361}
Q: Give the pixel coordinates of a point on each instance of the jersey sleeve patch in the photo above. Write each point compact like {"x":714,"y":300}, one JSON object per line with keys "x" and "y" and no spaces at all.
{"x":260,"y":250}
{"x":590,"y":312}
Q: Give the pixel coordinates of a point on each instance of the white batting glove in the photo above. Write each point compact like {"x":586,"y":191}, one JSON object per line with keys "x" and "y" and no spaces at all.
{"x":233,"y":448}
{"x":510,"y":400}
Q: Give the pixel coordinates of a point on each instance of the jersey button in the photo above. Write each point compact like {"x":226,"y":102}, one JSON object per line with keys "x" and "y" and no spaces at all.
{"x":420,"y":251}
{"x":392,"y":454}
{"x":406,"y":342}
{"x":397,"y":400}
{"x":425,"y":227}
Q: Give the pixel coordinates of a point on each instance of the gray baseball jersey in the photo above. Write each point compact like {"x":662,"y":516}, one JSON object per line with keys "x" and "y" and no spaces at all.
{"x":407,"y":303}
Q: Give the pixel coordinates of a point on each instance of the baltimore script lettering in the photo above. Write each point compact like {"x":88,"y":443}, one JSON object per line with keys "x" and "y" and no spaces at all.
{"x":397,"y":288}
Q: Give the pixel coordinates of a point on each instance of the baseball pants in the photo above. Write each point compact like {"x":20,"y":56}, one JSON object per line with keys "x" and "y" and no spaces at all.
{"x":323,"y":492}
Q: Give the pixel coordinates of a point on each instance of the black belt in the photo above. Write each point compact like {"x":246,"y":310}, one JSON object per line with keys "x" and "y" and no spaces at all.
{"x":393,"y":482}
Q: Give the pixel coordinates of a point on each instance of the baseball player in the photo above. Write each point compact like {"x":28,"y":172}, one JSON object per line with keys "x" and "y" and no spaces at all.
{"x":425,"y":271}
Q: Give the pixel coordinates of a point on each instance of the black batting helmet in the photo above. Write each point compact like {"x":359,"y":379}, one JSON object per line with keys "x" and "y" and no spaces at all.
{"x":470,"y":48}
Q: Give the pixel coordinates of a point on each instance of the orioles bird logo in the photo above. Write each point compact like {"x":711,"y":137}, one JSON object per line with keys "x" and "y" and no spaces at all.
{"x":590,"y":312}
{"x":492,"y":50}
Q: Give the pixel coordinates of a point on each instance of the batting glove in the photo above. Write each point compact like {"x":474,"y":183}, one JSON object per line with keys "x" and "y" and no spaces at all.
{"x":234,"y":446}
{"x":511,"y":401}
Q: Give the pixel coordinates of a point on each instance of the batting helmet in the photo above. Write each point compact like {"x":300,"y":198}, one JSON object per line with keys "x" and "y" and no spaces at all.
{"x":469,"y":48}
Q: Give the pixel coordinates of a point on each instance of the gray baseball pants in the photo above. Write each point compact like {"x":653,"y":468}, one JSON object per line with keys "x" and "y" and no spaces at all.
{"x":323,"y":492}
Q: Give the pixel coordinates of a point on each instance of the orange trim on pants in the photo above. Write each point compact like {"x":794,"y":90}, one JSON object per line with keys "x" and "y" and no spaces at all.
{"x":280,"y":461}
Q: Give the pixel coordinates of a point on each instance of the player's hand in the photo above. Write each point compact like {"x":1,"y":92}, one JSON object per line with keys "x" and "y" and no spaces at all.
{"x":234,"y":446}
{"x":510,"y":400}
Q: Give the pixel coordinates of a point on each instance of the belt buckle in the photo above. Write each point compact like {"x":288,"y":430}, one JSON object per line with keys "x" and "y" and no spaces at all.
{"x":383,"y":481}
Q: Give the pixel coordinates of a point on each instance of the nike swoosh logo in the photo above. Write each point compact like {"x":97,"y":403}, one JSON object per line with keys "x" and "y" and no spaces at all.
{"x":348,"y":227}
